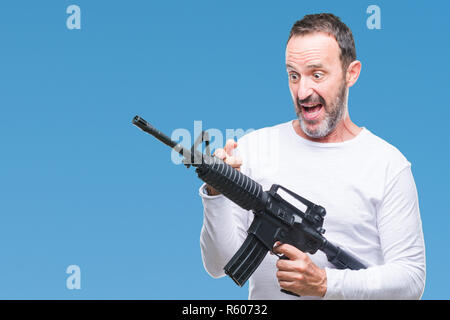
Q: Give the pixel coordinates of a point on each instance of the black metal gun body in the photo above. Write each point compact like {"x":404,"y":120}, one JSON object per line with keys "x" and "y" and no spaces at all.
{"x":275,"y":219}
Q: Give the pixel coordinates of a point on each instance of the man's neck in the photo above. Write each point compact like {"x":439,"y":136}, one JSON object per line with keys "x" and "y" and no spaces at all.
{"x":345,"y":130}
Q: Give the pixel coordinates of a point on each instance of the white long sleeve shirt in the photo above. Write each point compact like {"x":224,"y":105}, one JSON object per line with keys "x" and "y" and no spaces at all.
{"x":368,"y":190}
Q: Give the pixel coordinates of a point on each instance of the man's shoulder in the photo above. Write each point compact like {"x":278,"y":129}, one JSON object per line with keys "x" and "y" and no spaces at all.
{"x":378,"y":143}
{"x":382,"y":151}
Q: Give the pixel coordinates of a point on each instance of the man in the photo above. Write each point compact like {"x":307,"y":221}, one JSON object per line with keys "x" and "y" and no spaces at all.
{"x":365,"y":184}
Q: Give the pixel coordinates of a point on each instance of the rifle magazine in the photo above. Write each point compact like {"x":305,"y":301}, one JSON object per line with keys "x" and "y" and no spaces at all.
{"x":246,"y":260}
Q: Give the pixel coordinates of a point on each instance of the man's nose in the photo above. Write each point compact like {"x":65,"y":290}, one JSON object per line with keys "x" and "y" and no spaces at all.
{"x":305,"y":88}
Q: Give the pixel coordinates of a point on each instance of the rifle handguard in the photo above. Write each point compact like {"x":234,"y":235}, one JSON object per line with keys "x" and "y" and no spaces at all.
{"x":234,"y":185}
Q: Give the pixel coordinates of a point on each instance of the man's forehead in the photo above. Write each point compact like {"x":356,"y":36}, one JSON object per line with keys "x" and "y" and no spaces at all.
{"x":311,"y":50}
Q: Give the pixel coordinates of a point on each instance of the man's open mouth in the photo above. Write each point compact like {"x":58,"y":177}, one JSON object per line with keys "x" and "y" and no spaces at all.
{"x":311,"y":111}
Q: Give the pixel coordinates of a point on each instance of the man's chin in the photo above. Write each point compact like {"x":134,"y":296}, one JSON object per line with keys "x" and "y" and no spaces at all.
{"x":313,"y":129}
{"x":314,"y":134}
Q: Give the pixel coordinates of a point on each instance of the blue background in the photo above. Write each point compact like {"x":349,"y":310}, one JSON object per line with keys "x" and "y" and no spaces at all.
{"x":81,"y":185}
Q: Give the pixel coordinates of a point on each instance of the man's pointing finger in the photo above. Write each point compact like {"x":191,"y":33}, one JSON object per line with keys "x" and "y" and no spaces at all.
{"x":290,"y":251}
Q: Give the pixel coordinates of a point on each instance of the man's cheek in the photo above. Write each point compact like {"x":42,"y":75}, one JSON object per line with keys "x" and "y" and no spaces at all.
{"x":293,"y":95}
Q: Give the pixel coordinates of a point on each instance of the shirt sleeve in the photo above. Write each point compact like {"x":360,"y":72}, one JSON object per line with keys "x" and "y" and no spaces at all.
{"x":402,"y":276}
{"x":224,"y":230}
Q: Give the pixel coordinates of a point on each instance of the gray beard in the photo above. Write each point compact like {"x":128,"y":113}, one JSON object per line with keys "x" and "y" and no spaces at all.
{"x":331,"y":120}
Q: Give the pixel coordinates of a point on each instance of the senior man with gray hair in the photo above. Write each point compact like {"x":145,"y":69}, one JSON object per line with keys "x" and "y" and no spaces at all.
{"x":365,"y":184}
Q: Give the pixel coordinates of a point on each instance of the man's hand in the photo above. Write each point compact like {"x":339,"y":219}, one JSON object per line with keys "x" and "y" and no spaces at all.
{"x":226,"y":154}
{"x":299,"y":274}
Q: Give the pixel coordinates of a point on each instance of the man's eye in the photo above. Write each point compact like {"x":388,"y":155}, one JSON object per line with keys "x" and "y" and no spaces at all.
{"x":293,"y":77}
{"x":317,"y":75}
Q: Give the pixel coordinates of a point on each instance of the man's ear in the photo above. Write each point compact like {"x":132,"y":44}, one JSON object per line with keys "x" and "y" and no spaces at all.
{"x":353,"y":71}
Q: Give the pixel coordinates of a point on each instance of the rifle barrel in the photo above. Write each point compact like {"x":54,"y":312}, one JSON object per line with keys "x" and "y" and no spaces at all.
{"x":147,"y":127}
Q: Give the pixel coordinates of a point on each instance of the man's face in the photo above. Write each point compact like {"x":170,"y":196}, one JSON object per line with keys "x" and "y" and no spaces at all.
{"x":317,"y":82}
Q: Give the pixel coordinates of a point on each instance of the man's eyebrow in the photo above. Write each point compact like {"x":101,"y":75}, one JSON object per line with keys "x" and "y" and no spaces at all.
{"x":310,"y":66}
{"x":288,"y":66}
{"x":315,"y":66}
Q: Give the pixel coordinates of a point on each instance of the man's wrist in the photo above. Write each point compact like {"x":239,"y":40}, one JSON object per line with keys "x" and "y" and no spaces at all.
{"x":211,"y":191}
{"x":323,"y":284}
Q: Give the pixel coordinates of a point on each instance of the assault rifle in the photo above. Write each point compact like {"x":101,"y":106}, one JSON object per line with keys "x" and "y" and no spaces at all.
{"x":275,"y":218}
